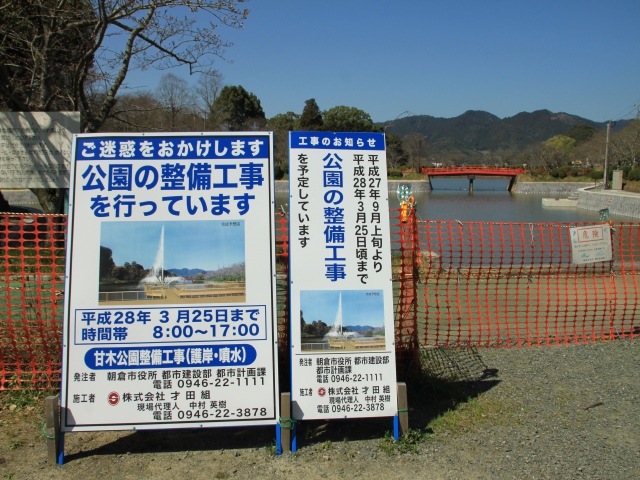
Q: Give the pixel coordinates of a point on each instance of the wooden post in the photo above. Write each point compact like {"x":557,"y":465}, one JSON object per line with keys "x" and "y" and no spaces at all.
{"x":52,"y":428}
{"x":403,"y":409}
{"x":285,"y":418}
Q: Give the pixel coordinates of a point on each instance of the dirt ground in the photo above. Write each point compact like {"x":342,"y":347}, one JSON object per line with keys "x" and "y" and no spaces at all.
{"x":548,"y":412}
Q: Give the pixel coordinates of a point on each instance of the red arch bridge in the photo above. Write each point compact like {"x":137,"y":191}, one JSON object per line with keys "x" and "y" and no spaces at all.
{"x":472,"y":171}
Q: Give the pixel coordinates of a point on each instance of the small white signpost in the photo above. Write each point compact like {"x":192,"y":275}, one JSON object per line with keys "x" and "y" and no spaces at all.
{"x":591,"y":244}
{"x":170,"y":309}
{"x":342,"y":331}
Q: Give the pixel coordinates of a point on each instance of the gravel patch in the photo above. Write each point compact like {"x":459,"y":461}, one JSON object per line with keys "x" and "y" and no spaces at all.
{"x":549,"y":412}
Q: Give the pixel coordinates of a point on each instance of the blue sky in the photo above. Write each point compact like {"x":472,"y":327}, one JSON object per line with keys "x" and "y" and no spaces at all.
{"x":358,"y":308}
{"x":437,"y":58}
{"x":195,"y":244}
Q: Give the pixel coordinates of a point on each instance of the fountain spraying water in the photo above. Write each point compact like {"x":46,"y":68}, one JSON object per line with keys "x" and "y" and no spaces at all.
{"x":156,"y":272}
{"x":337,"y":331}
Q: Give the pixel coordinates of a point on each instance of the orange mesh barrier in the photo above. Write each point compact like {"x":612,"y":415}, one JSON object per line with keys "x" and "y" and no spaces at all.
{"x":32,"y":257}
{"x":511,"y":284}
{"x":455,"y":284}
{"x":32,"y":262}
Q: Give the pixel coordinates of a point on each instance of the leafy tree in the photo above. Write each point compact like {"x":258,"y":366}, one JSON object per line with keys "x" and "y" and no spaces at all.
{"x":317,"y":328}
{"x":199,"y":278}
{"x":236,"y":109}
{"x":281,"y":125}
{"x":634,"y":174}
{"x":581,"y":133}
{"x":284,"y":122}
{"x":53,"y":54}
{"x":348,"y":119}
{"x":311,"y":118}
{"x":106,"y":262}
{"x":557,"y":151}
{"x":558,"y":173}
{"x":120,"y":273}
{"x":563,"y":144}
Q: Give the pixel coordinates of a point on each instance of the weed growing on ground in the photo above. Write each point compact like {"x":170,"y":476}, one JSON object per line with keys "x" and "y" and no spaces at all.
{"x":408,"y":443}
{"x":19,"y":399}
{"x":272,"y":450}
{"x":472,"y":415}
{"x":14,"y":445}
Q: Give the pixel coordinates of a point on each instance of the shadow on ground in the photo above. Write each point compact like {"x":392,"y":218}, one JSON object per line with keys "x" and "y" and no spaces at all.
{"x":446,"y":378}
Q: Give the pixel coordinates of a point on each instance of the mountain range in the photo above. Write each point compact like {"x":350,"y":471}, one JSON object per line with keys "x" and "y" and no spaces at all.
{"x":186,"y":272}
{"x":477,"y":130}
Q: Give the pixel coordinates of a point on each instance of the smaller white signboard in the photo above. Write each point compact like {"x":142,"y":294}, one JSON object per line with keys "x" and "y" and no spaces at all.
{"x":35,"y":148}
{"x":591,"y":244}
{"x":342,"y":328}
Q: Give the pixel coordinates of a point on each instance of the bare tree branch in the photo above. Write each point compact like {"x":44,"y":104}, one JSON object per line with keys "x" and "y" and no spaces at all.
{"x":58,"y":55}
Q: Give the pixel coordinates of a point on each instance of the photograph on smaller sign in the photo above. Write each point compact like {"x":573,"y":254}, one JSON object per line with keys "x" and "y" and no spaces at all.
{"x":341,"y":320}
{"x":172,"y":262}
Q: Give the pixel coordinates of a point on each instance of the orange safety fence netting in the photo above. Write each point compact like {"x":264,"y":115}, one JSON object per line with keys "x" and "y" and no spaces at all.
{"x":455,"y":284}
{"x":511,"y":284}
{"x":32,"y":262}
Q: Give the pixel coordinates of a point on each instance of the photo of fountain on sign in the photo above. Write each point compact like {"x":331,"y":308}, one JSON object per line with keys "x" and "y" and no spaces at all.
{"x":342,"y":320}
{"x":158,"y":263}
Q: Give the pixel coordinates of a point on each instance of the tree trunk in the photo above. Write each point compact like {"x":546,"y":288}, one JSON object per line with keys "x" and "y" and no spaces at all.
{"x":51,"y":199}
{"x":4,"y":205}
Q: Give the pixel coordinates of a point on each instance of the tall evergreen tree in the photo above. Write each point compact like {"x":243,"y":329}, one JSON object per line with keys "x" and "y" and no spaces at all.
{"x":311,"y":118}
{"x":348,"y":119}
{"x":236,"y":109}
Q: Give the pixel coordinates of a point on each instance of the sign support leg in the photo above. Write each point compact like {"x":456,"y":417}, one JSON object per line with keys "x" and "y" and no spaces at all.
{"x":396,"y":428}
{"x":55,"y":445}
{"x":294,"y":438}
{"x":401,"y":420}
{"x":61,"y":449}
{"x":284,"y":440}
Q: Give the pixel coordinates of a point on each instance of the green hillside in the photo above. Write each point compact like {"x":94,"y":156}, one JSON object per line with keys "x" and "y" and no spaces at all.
{"x":477,"y":130}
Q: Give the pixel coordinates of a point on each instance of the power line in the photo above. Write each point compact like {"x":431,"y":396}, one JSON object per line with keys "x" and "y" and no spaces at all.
{"x":634,"y":109}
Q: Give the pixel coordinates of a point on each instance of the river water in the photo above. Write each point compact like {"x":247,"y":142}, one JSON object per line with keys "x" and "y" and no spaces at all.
{"x":490,"y":202}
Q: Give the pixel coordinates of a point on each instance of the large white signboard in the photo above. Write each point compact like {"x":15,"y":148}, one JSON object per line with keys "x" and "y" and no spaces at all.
{"x":170,"y":313}
{"x":35,"y":148}
{"x":342,"y":334}
{"x":591,"y":244}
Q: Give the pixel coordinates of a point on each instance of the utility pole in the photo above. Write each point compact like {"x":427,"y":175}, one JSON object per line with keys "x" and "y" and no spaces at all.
{"x":606,"y":159}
